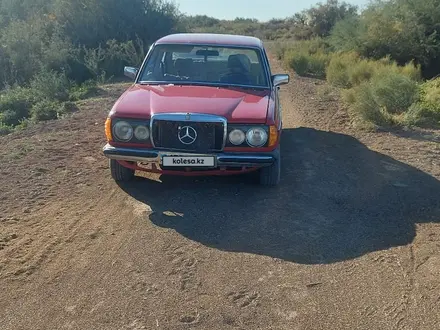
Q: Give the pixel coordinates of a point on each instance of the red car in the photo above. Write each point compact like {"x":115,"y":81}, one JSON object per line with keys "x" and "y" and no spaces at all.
{"x":201,"y":104}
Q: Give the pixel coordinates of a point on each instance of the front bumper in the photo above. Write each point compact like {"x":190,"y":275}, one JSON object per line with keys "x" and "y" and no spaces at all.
{"x":224,"y":160}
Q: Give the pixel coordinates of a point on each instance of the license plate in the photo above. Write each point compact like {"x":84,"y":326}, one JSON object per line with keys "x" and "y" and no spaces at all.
{"x":189,"y":161}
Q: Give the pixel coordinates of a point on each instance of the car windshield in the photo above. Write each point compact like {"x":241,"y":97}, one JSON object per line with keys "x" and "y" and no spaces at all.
{"x":205,"y":65}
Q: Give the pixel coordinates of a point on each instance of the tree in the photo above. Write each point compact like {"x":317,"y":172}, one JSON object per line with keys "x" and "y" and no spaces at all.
{"x":405,"y":30}
{"x":322,"y":18}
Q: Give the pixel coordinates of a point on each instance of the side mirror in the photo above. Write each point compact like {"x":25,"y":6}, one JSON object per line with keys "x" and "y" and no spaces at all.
{"x":280,"y":79}
{"x":130,"y":72}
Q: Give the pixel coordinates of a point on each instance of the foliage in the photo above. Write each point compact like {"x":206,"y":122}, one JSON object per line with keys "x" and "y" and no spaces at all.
{"x":338,"y":69}
{"x":45,"y":110}
{"x":387,"y":99}
{"x":15,"y":104}
{"x":316,"y":21}
{"x":406,"y":30}
{"x":308,"y":57}
{"x":394,"y":92}
{"x":83,"y":91}
{"x":322,"y":18}
{"x":348,"y":69}
{"x":426,"y":112}
{"x":47,"y":98}
{"x":364,"y":107}
{"x":50,"y":85}
{"x":5,"y":129}
{"x":51,"y":47}
{"x":83,"y":39}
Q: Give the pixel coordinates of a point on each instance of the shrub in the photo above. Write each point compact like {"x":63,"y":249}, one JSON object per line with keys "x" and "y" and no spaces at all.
{"x":45,"y":110}
{"x":279,"y":50}
{"x":430,"y":94}
{"x":83,"y":91}
{"x":419,"y":115}
{"x":337,"y":70}
{"x":394,"y":92}
{"x":348,"y":69}
{"x":426,"y":112}
{"x":383,"y":100}
{"x":318,"y":64}
{"x":5,"y":129}
{"x":306,"y":57}
{"x":298,"y":62}
{"x":51,"y":85}
{"x":15,"y":104}
{"x":412,"y":71}
{"x":365,"y":107}
{"x":361,"y":72}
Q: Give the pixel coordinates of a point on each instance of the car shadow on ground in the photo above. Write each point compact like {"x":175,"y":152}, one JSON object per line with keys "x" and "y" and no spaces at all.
{"x":337,"y":200}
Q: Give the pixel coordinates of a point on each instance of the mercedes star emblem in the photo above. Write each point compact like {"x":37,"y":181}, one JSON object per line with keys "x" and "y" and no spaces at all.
{"x":187,"y":135}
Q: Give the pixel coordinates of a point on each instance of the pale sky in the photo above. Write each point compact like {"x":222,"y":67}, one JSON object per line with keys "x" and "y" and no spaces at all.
{"x":262,"y":10}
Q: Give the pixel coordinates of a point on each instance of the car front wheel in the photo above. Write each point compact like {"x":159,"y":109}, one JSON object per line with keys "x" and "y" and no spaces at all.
{"x":119,"y":172}
{"x":271,"y":175}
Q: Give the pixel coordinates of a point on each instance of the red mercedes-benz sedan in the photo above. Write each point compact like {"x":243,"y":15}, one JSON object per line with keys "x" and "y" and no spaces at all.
{"x":201,"y":104}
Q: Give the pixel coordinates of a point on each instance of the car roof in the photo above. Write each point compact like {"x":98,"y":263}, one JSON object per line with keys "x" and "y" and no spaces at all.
{"x":211,"y":39}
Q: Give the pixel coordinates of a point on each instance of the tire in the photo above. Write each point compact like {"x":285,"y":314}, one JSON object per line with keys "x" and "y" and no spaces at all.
{"x":120,"y":173}
{"x":271,"y":175}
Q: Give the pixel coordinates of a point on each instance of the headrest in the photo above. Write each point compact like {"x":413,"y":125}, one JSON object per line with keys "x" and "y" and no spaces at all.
{"x":240,"y":61}
{"x":183,"y":63}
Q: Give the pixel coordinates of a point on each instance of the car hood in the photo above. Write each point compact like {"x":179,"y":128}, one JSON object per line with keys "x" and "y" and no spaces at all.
{"x":235,"y":104}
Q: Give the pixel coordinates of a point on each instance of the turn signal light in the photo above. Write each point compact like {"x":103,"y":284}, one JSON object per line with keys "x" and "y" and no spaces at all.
{"x":108,"y":129}
{"x":273,"y":136}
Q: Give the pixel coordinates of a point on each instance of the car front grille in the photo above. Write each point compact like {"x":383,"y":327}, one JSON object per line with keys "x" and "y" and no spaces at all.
{"x":192,"y":136}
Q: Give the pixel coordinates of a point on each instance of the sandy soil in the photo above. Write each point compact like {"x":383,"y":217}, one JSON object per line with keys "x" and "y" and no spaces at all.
{"x":349,"y":240}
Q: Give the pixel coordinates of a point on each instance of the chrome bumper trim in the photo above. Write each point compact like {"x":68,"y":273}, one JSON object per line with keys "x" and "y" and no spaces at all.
{"x":153,"y":156}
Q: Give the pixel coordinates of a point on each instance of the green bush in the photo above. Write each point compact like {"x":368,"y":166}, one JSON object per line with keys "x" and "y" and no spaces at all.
{"x":426,"y":112}
{"x":361,"y":72}
{"x":394,"y":92}
{"x":45,"y":110}
{"x":419,"y":115}
{"x":15,"y":104}
{"x":308,"y":57}
{"x":83,"y":91}
{"x":405,"y":30}
{"x":385,"y":100}
{"x":348,"y":69}
{"x":337,"y":71}
{"x":318,"y":63}
{"x":50,"y":85}
{"x":412,"y":71}
{"x":5,"y":129}
{"x":44,"y":100}
{"x":298,"y":62}
{"x":430,"y":94}
{"x":364,"y":106}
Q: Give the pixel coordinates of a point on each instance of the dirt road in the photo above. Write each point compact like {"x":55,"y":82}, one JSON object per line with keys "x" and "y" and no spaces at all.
{"x":349,"y":240}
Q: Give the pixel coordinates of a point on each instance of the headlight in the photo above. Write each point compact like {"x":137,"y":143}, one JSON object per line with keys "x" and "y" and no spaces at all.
{"x":142,"y":133}
{"x":237,"y":137}
{"x":256,"y":137}
{"x":123,"y":131}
